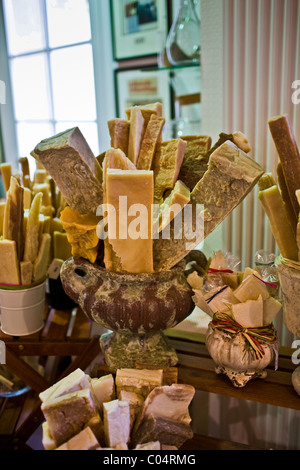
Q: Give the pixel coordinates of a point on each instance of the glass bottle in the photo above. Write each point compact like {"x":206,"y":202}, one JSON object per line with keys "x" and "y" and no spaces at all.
{"x":183,"y":42}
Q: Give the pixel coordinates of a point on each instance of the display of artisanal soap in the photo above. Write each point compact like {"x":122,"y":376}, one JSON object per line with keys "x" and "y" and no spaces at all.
{"x":135,"y":409}
{"x":280,"y":199}
{"x":31,"y":231}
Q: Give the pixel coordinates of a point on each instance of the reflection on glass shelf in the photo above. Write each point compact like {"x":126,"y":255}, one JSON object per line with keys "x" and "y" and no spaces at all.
{"x":181,"y":127}
{"x":10,"y":384}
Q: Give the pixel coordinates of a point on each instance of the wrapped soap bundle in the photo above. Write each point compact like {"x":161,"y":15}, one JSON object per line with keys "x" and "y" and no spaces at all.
{"x":135,"y":409}
{"x":242,"y":309}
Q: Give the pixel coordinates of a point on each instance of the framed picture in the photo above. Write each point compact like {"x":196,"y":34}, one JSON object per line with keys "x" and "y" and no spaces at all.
{"x":138,"y":27}
{"x":138,"y":87}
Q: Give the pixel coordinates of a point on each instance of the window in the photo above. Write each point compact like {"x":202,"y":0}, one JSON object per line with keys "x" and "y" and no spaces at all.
{"x":50,"y":55}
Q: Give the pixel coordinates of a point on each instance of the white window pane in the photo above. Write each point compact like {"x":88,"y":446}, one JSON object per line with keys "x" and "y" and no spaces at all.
{"x":68,"y":22}
{"x":88,"y":129}
{"x":73,"y":84}
{"x":29,"y":135}
{"x":30,"y":88}
{"x":24,"y":25}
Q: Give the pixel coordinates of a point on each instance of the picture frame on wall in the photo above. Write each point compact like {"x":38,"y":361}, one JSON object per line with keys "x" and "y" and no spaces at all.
{"x":137,"y":27}
{"x":136,"y":87}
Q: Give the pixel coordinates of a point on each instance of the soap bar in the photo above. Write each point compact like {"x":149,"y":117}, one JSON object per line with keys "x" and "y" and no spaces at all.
{"x":155,"y":445}
{"x":75,"y":170}
{"x":23,"y":161}
{"x":166,"y":166}
{"x":135,"y":402}
{"x":280,"y":226}
{"x":286,"y":145}
{"x":45,"y":190}
{"x":141,"y":381}
{"x":221,"y":300}
{"x":6,"y":173}
{"x":135,"y":134}
{"x":172,"y":205}
{"x":14,"y":216}
{"x":66,"y":415}
{"x":166,"y":431}
{"x":27,"y":198}
{"x":9,"y":266}
{"x":271,"y":308}
{"x":31,"y":245}
{"x":129,"y":215}
{"x":61,"y":246}
{"x":103,"y":389}
{"x":76,"y":380}
{"x":249,"y":314}
{"x":41,"y":263}
{"x":151,"y":137}
{"x":116,"y":417}
{"x":236,"y":174}
{"x":195,"y":159}
{"x":119,"y":134}
{"x":26,"y":272}
{"x":84,"y":440}
{"x":147,"y":111}
{"x":168,"y":401}
{"x":251,"y":288}
{"x":2,"y":210}
{"x":293,"y":219}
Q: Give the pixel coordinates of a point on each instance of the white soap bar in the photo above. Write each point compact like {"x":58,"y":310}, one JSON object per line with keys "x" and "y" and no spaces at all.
{"x":251,"y":288}
{"x":77,"y":380}
{"x":116,"y":416}
{"x":249,"y":314}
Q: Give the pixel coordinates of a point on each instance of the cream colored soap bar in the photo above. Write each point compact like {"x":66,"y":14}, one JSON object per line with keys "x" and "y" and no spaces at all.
{"x":32,"y":229}
{"x":103,"y":389}
{"x":139,"y":381}
{"x":271,"y":308}
{"x":135,"y":134}
{"x":84,"y":440}
{"x":9,"y":266}
{"x":75,"y":381}
{"x":41,"y":263}
{"x":6,"y":173}
{"x":222,"y":300}
{"x":119,"y":134}
{"x":61,"y":246}
{"x":26,"y":271}
{"x":151,"y":137}
{"x":251,"y":288}
{"x":172,"y":205}
{"x":2,"y":210}
{"x":116,"y":416}
{"x":130,"y":199}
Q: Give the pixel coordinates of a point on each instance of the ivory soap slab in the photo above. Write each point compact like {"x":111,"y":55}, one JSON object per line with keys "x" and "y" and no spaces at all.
{"x":75,"y":381}
{"x":231,"y":175}
{"x":9,"y":267}
{"x":130,"y":199}
{"x":116,"y":417}
{"x":119,"y":134}
{"x":69,"y":160}
{"x":84,"y":440}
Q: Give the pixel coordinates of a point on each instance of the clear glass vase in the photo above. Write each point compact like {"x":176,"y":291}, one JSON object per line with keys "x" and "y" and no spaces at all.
{"x":183,"y":42}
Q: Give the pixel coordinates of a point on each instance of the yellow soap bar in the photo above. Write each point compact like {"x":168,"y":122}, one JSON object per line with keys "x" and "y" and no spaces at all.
{"x":42,"y":261}
{"x":27,"y":198}
{"x":135,"y":134}
{"x":130,"y":199}
{"x":172,"y":205}
{"x":151,"y":137}
{"x":167,"y":162}
{"x":280,"y":225}
{"x":251,"y":288}
{"x":33,"y":230}
{"x":45,"y":189}
{"x":9,"y":266}
{"x":6,"y":173}
{"x":2,"y":210}
{"x":26,"y":271}
{"x":13,"y":216}
{"x":61,"y":247}
{"x":119,"y":134}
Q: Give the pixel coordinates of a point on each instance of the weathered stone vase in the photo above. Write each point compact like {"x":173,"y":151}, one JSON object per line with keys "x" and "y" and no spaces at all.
{"x":137,"y":308}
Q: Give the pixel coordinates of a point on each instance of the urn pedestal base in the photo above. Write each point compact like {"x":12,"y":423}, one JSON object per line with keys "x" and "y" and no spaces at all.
{"x":124,"y":349}
{"x":240,"y":378}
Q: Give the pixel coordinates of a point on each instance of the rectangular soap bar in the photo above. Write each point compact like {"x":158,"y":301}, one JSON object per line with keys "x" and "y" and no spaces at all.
{"x":195,"y":160}
{"x":249,"y":314}
{"x":84,"y":440}
{"x":172,"y":205}
{"x":76,"y":380}
{"x":31,"y":245}
{"x":141,"y":381}
{"x":9,"y":266}
{"x":14,"y":216}
{"x":41,"y":264}
{"x":135,"y":134}
{"x":2,"y":210}
{"x":236,"y":174}
{"x":151,"y":137}
{"x":286,"y":145}
{"x":6,"y":173}
{"x":70,"y":162}
{"x":130,"y":199}
{"x":62,"y":249}
{"x":116,"y":418}
{"x":103,"y":389}
{"x":26,"y":271}
{"x":166,"y":166}
{"x":251,"y":288}
{"x":119,"y":134}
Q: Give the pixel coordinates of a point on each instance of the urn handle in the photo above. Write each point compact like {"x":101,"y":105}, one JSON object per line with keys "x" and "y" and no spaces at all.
{"x":77,"y":274}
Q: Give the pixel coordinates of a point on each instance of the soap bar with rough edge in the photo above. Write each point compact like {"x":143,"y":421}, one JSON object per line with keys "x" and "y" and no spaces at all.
{"x":84,"y":440}
{"x":129,"y":216}
{"x":280,"y":225}
{"x":119,"y":134}
{"x":195,"y":159}
{"x":135,"y":402}
{"x":41,"y":264}
{"x":26,"y":272}
{"x":167,"y":431}
{"x":6,"y":173}
{"x":147,"y":111}
{"x":61,"y":247}
{"x":141,"y":381}
{"x":172,"y":205}
{"x":27,"y":198}
{"x":166,"y":166}
{"x":70,"y":162}
{"x":116,"y":417}
{"x":76,"y":380}
{"x":251,"y":288}
{"x":266,"y":181}
{"x":286,"y":198}
{"x":24,"y":164}
{"x":45,"y":190}
{"x":2,"y":211}
{"x":31,"y":245}
{"x":103,"y":389}
{"x":151,"y":137}
{"x":286,"y":145}
{"x":14,"y":216}
{"x":236,"y":174}
{"x":114,"y":159}
{"x":135,"y":134}
{"x":9,"y":265}
{"x":66,"y":415}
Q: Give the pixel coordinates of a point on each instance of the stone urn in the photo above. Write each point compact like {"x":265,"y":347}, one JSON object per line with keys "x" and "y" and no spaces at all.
{"x":136,"y":308}
{"x":233,"y":357}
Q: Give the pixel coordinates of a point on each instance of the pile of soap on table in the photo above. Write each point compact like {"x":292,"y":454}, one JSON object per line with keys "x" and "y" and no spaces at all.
{"x":137,"y":409}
